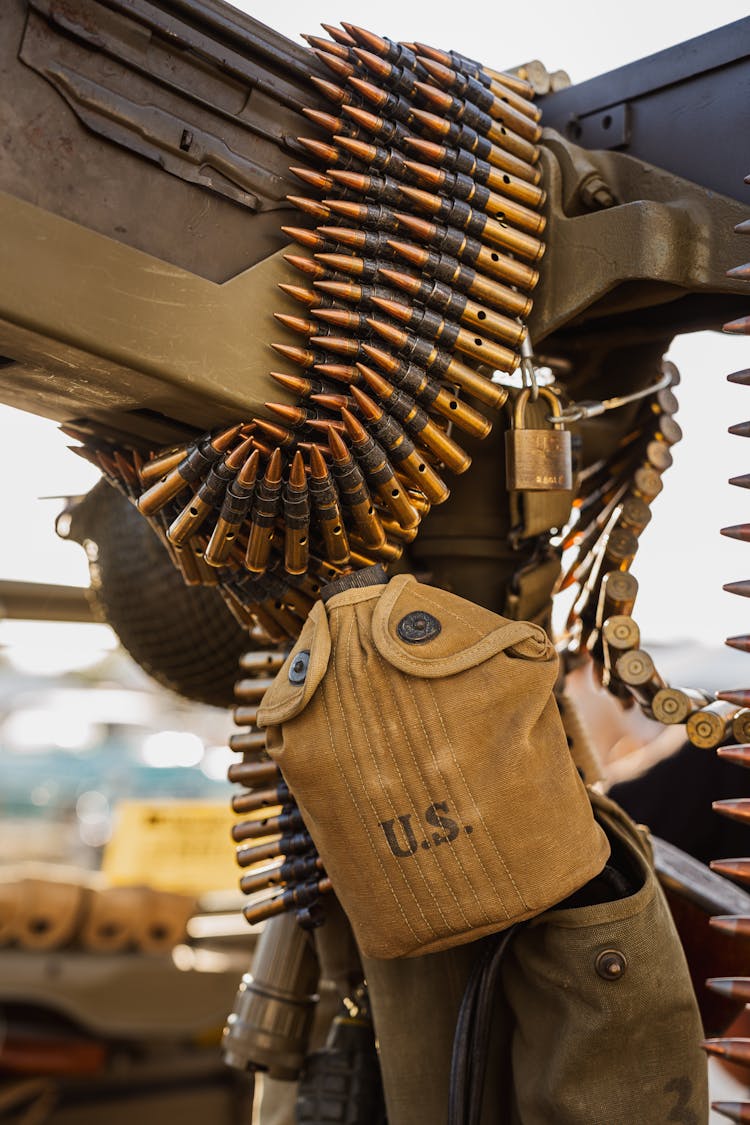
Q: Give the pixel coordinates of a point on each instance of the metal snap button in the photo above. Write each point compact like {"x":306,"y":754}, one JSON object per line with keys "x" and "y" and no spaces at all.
{"x":418,"y":627}
{"x":298,"y":667}
{"x":610,"y":964}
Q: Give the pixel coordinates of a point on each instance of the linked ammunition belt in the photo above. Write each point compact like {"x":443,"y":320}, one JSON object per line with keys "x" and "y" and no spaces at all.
{"x":418,"y":270}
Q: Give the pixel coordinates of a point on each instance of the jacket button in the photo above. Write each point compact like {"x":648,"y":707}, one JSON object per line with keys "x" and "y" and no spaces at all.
{"x":298,"y":667}
{"x":610,"y":964}
{"x":418,"y":627}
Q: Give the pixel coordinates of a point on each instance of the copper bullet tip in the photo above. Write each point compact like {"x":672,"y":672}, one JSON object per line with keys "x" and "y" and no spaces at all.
{"x":735,"y":1111}
{"x":440,"y":73}
{"x":368,"y":39}
{"x":369,"y":409}
{"x":325,"y":120}
{"x":434,"y":96}
{"x":360,"y":149}
{"x":345,"y":291}
{"x":401,"y":279}
{"x":347,"y":263}
{"x":741,"y":642}
{"x":426,"y":148}
{"x":319,"y":149}
{"x":740,"y":273}
{"x":375,"y":381}
{"x":742,"y":588}
{"x":309,"y":176}
{"x":249,"y":470}
{"x":305,"y":296}
{"x":274,"y":467}
{"x":354,"y":211}
{"x":310,"y":206}
{"x":354,"y":427}
{"x":423,"y":199}
{"x":739,"y":327}
{"x":741,"y":377}
{"x":373,"y":62}
{"x":339,"y":35}
{"x":372,"y":93}
{"x":328,"y":89}
{"x":740,"y":696}
{"x":338,"y":66}
{"x":296,"y":355}
{"x":339,"y":452}
{"x":424,"y":172}
{"x":297,"y":476}
{"x":363,"y":117}
{"x":304,"y":265}
{"x":420,"y":227}
{"x":393,"y":308}
{"x":291,"y":414}
{"x":238,"y":456}
{"x":330,"y":402}
{"x":739,"y":531}
{"x":742,"y":481}
{"x":355,"y":180}
{"x":222,"y":441}
{"x":414,"y":254}
{"x":318,"y":467}
{"x":291,"y":383}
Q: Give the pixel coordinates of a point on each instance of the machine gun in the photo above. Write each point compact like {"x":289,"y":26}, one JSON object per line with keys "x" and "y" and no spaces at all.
{"x":144,"y":188}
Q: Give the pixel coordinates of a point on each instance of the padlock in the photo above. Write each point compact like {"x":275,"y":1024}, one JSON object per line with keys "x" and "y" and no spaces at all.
{"x":538,"y":460}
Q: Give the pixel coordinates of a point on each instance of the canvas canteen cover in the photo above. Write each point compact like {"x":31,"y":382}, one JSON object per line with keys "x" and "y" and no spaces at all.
{"x":421,"y":739}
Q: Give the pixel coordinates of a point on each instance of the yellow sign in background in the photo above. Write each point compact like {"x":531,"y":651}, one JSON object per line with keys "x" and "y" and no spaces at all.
{"x":182,"y":846}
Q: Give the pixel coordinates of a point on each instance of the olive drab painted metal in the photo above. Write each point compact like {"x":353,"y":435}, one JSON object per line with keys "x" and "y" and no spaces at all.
{"x":538,"y":459}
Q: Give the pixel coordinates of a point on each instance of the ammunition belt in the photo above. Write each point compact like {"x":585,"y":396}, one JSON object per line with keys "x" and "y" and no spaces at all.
{"x":418,"y":270}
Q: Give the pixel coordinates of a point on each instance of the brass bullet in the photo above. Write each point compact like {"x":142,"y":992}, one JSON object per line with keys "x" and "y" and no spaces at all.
{"x":733,"y":1050}
{"x":161,"y":464}
{"x":346,"y":319}
{"x":339,"y":35}
{"x":305,"y":296}
{"x":340,"y":67}
{"x":415,"y":380}
{"x":308,"y":238}
{"x":387,"y":160}
{"x":255,"y":799}
{"x":511,"y":82}
{"x":400,"y":79}
{"x":325,"y":121}
{"x":500,"y":174}
{"x":285,"y":845}
{"x":333,"y":92}
{"x":310,"y":206}
{"x":466,"y":139}
{"x":455,"y":305}
{"x":735,"y":1111}
{"x":306,"y":265}
{"x":636,"y":669}
{"x":740,"y":696}
{"x":209,"y":496}
{"x":460,"y":214}
{"x":416,"y":421}
{"x":400,"y":448}
{"x":460,"y":186}
{"x":489,"y":261}
{"x":366,"y":214}
{"x":340,"y":372}
{"x":343,"y":263}
{"x":621,"y":633}
{"x":737,"y":755}
{"x":355,"y":493}
{"x":303,"y":357}
{"x":384,"y":189}
{"x":254,"y":773}
{"x":299,"y":897}
{"x":263,"y":515}
{"x":313,"y":178}
{"x":298,"y":324}
{"x":673,"y":705}
{"x":391,"y":105}
{"x":742,"y":588}
{"x":234,"y":510}
{"x":340,"y":50}
{"x":379,"y":471}
{"x":387,"y":130}
{"x":711,"y":725}
{"x":499,"y":109}
{"x":332,"y":401}
{"x":470,"y":343}
{"x":285,"y":822}
{"x":733,"y":925}
{"x":328,"y":510}
{"x":463,"y":278}
{"x":459,"y":110}
{"x":734,"y":810}
{"x":296,"y":518}
{"x":189,"y":471}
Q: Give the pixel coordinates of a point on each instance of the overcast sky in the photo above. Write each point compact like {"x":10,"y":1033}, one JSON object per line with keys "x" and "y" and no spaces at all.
{"x":682,"y":550}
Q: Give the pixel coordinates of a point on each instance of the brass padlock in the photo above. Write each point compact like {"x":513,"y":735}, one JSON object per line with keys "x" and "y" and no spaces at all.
{"x":538,"y":460}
